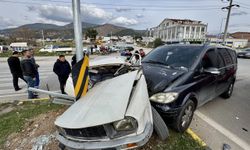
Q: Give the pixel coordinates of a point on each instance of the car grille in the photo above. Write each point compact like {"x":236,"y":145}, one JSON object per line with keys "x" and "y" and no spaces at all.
{"x":91,"y":132}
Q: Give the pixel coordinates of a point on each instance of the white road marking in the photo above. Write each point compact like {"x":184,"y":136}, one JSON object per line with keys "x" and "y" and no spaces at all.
{"x":10,"y":84}
{"x":223,"y":130}
{"x":42,"y":70}
{"x":7,"y":76}
{"x":13,"y":95}
{"x":4,"y":80}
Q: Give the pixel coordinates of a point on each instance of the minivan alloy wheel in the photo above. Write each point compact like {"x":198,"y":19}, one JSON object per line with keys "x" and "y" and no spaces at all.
{"x":187,"y":116}
{"x":230,"y":89}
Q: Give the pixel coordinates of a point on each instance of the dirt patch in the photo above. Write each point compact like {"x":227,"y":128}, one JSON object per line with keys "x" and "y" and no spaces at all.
{"x":37,"y":133}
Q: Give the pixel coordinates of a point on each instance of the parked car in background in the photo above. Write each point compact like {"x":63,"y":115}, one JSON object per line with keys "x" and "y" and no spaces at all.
{"x":181,"y":78}
{"x":55,"y":48}
{"x":244,"y":54}
{"x":3,"y":48}
{"x":130,"y":48}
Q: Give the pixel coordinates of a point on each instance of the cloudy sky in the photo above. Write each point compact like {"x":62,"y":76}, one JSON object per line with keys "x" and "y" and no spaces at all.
{"x":137,"y":14}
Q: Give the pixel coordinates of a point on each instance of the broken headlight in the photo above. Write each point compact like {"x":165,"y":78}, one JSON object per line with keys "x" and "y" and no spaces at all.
{"x":164,"y":98}
{"x":61,"y":131}
{"x":126,"y":124}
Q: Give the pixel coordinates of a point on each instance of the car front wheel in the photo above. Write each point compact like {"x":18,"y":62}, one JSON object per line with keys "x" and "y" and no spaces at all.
{"x":185,"y":117}
{"x":160,"y":127}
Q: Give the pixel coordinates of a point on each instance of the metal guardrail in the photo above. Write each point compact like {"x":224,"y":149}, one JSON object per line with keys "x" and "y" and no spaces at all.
{"x":53,"y":94}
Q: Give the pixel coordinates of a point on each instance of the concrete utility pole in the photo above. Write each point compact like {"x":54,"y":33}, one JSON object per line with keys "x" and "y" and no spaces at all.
{"x":43,"y":38}
{"x":228,"y":17}
{"x":77,"y":28}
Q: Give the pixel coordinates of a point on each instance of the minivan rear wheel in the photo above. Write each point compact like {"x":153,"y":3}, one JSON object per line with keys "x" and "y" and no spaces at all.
{"x":228,"y":93}
{"x":185,"y":117}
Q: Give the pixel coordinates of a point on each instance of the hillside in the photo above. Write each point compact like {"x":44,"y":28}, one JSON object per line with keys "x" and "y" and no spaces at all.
{"x":241,"y":35}
{"x":108,"y":29}
{"x":66,"y":31}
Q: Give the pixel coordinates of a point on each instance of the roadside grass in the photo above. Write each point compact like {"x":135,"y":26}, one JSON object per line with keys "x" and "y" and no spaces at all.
{"x":180,"y":141}
{"x":13,"y":122}
{"x":6,"y":54}
{"x":176,"y":141}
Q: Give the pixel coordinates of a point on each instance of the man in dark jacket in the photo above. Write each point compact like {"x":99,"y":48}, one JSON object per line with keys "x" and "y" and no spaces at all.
{"x":73,"y":60}
{"x":62,"y":69}
{"x":15,"y":69}
{"x":29,"y":71}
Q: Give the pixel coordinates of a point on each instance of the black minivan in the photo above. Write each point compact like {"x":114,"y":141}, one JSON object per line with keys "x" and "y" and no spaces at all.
{"x":181,"y":78}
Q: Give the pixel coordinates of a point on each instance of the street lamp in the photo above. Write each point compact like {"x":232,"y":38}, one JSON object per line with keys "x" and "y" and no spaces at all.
{"x":228,"y":17}
{"x":77,"y":28}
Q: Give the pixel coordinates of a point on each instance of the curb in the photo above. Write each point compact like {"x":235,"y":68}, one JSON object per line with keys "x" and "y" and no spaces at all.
{"x":196,"y":137}
{"x":25,"y":100}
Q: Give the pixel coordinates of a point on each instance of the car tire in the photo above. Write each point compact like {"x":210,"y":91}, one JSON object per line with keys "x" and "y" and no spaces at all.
{"x":160,"y":126}
{"x":185,"y":117}
{"x":61,"y":146}
{"x":228,"y":93}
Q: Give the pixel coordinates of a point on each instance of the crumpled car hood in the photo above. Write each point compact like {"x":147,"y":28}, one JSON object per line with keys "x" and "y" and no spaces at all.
{"x":106,"y":102}
{"x":107,"y":61}
{"x":158,"y":77}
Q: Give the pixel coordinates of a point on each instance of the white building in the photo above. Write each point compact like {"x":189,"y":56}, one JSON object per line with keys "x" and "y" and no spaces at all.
{"x":127,"y":39}
{"x":231,"y":42}
{"x":179,"y":30}
{"x":19,"y":46}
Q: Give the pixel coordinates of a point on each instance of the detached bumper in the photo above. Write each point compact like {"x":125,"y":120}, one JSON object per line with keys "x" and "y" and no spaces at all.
{"x":126,"y":142}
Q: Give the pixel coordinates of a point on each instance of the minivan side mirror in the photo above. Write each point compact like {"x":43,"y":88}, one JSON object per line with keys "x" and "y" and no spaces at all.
{"x":212,"y":70}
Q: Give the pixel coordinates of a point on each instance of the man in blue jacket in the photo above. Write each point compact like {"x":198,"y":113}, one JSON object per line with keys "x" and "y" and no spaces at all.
{"x":62,"y":70}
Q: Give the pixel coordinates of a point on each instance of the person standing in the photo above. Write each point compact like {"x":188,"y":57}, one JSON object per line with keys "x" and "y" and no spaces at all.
{"x":73,"y":60}
{"x":37,"y":81}
{"x":15,"y":69}
{"x":29,"y":71}
{"x":142,"y":53}
{"x":62,"y":70}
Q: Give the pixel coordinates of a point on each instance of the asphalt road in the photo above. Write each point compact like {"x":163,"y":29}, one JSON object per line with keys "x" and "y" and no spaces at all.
{"x":217,"y":122}
{"x":227,"y":121}
{"x":7,"y":92}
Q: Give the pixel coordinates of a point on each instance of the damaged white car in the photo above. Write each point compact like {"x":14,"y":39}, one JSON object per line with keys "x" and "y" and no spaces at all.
{"x":115,"y":112}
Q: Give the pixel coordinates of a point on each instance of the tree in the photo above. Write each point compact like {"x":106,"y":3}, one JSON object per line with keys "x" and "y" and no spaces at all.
{"x":91,"y":33}
{"x":158,"y":42}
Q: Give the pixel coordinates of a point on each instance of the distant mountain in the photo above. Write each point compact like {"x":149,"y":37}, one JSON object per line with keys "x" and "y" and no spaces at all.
{"x":108,"y":29}
{"x":39,"y":26}
{"x":126,"y":32}
{"x":241,"y":35}
{"x":66,"y":31}
{"x":84,"y":25}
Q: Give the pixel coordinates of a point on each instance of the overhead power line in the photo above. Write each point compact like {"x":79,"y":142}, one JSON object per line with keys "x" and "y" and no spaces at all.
{"x":129,"y":7}
{"x":242,"y":3}
{"x":133,"y":5}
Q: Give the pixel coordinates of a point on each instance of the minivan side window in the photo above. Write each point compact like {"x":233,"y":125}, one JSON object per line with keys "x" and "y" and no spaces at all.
{"x":226,"y":56}
{"x":209,"y":59}
{"x":233,"y":55}
{"x":221,"y":62}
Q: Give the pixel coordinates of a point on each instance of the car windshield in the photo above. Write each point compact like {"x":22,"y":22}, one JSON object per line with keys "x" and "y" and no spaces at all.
{"x":181,"y":57}
{"x":248,"y":50}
